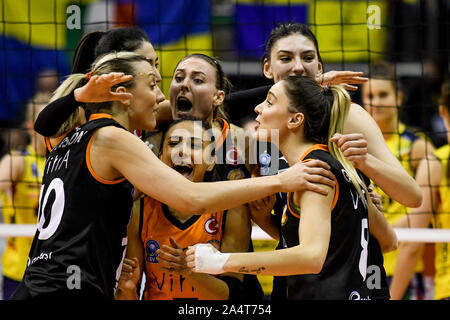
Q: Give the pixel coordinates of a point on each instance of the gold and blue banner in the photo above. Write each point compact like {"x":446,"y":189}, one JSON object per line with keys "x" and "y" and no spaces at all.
{"x":255,"y":19}
{"x":34,"y":38}
{"x":347,"y":30}
{"x":175,"y":28}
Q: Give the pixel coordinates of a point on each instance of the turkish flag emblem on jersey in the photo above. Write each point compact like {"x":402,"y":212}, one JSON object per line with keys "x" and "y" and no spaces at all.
{"x":211,"y":226}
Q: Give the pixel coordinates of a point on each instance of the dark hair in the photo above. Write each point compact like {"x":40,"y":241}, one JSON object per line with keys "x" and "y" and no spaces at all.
{"x":383,"y":70}
{"x":307,"y":97}
{"x":112,"y":62}
{"x":325,"y":114}
{"x":222,"y":82}
{"x":283,"y":30}
{"x":206,"y":126}
{"x":444,"y":100}
{"x":84,"y":54}
{"x":95,"y":44}
{"x":121,"y":39}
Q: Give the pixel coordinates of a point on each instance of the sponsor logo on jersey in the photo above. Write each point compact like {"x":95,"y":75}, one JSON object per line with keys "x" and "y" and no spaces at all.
{"x":235,"y":174}
{"x":150,"y":248}
{"x":354,"y":295}
{"x":211,"y":226}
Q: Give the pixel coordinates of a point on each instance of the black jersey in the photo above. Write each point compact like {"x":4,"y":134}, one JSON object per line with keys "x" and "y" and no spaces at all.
{"x":230,"y":165}
{"x":376,"y":279}
{"x":81,"y":238}
{"x":345,"y":268}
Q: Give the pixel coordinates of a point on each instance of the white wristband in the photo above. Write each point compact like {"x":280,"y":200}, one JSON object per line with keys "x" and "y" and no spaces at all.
{"x":209,"y":260}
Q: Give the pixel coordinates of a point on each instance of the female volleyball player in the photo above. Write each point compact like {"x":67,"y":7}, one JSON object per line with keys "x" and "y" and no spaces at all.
{"x":292,"y":49}
{"x":86,"y":197}
{"x":382,"y":97}
{"x":160,"y":230}
{"x":50,"y":122}
{"x":433,"y":175}
{"x":325,"y":255}
{"x":20,"y":181}
{"x":54,"y":119}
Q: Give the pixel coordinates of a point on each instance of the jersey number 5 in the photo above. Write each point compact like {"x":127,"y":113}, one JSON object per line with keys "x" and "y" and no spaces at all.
{"x":364,"y":243}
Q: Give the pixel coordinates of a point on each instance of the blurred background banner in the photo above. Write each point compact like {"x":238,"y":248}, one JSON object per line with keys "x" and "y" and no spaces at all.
{"x":255,"y":19}
{"x":38,"y":38}
{"x":175,"y":28}
{"x":348,"y":32}
{"x":340,"y":26}
{"x":33,"y":42}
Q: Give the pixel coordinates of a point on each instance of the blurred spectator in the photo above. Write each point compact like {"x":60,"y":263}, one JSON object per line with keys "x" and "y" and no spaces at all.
{"x":420,"y":104}
{"x":20,"y":182}
{"x":47,"y":81}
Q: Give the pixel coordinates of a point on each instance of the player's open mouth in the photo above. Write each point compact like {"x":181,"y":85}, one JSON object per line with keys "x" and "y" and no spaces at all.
{"x":185,"y":170}
{"x":183,"y":104}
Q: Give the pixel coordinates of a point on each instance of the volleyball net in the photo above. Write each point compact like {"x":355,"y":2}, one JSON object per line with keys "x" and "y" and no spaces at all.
{"x":404,"y":234}
{"x":38,"y":38}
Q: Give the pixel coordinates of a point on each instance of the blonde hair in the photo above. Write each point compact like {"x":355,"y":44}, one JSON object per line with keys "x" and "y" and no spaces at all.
{"x":111,"y":62}
{"x":338,"y":115}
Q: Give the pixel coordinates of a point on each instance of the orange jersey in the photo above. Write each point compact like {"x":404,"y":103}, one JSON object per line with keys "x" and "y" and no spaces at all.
{"x":157,"y":226}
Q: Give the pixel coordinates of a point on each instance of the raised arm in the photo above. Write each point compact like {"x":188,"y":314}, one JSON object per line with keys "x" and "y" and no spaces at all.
{"x":115,"y":152}
{"x":306,"y":258}
{"x":428,"y":176}
{"x":97,"y":89}
{"x":11,"y":169}
{"x":380,"y":228}
{"x":376,"y":161}
{"x":242,"y":103}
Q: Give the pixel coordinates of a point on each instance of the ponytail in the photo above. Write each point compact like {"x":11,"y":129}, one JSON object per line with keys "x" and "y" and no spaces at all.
{"x":67,"y":87}
{"x":339,"y":112}
{"x":84,"y":53}
{"x":325,"y":110}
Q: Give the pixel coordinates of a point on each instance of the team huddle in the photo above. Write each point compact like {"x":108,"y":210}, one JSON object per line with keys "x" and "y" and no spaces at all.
{"x":136,"y":186}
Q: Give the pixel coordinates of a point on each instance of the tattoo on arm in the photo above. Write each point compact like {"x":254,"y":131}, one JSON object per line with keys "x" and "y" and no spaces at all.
{"x":247,"y":270}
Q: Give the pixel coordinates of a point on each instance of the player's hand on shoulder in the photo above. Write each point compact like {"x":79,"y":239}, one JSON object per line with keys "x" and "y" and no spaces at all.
{"x":306,"y":176}
{"x":345,"y":78}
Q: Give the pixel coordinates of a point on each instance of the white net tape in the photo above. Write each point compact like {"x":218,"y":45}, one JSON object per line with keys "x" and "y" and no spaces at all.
{"x":403,"y":234}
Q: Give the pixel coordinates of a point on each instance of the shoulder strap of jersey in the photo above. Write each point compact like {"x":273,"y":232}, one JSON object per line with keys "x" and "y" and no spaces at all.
{"x":98,"y":120}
